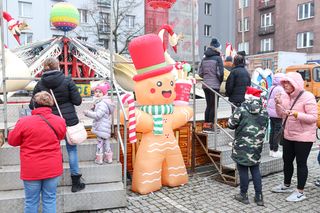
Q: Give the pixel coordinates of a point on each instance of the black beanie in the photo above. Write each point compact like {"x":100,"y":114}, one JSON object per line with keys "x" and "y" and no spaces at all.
{"x":215,"y":43}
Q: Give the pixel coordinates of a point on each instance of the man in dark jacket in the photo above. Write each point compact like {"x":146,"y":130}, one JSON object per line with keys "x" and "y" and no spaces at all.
{"x":211,"y":70}
{"x":67,"y":96}
{"x":237,"y":81}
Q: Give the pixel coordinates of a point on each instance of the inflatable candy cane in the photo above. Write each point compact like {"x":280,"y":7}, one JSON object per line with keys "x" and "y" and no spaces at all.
{"x":128,"y":98}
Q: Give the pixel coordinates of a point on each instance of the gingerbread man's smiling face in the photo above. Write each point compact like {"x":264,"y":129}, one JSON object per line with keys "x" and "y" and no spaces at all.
{"x":157,"y":90}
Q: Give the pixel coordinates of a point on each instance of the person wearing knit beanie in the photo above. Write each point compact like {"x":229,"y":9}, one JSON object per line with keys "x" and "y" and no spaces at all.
{"x":215,"y":43}
{"x":103,"y":88}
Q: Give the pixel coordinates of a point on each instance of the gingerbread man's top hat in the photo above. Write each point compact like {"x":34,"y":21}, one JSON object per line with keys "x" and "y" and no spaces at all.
{"x":148,"y":57}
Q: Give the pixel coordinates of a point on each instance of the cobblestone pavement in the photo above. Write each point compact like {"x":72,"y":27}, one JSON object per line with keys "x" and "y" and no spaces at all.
{"x":203,"y":194}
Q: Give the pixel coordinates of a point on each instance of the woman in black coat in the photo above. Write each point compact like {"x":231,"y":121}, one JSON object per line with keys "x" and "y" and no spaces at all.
{"x":238,"y":81}
{"x":67,"y":96}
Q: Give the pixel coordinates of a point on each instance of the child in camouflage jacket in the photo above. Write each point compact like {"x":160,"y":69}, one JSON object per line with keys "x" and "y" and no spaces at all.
{"x":250,"y":124}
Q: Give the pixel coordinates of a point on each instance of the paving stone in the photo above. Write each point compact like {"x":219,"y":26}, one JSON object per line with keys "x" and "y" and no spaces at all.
{"x":203,"y":194}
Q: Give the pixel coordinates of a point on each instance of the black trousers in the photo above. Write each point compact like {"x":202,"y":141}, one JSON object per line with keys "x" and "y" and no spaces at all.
{"x":275,"y":127}
{"x":210,"y":100}
{"x":299,"y":151}
{"x":244,"y":178}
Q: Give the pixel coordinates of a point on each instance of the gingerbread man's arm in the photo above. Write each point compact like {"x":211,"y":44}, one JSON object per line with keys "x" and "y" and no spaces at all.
{"x":181,"y":115}
{"x":144,"y":122}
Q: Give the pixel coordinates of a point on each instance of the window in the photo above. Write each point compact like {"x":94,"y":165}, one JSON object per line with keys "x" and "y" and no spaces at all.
{"x":104,"y":43}
{"x":130,"y":21}
{"x":104,"y":22}
{"x":266,"y":45}
{"x":207,"y":30}
{"x":305,"y":40}
{"x":244,"y":3}
{"x":244,"y":47}
{"x":245,"y":23}
{"x":204,"y":48}
{"x":306,"y":11}
{"x":207,"y":8}
{"x":266,"y":20}
{"x":25,"y":9}
{"x":316,"y":74}
{"x":82,"y":38}
{"x":83,"y":16}
{"x":26,"y":38}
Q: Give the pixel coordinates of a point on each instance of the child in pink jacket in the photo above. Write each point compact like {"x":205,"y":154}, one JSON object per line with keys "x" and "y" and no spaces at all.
{"x":299,"y":132}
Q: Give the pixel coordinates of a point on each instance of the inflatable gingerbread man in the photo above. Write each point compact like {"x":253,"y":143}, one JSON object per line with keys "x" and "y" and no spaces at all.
{"x":158,"y":160}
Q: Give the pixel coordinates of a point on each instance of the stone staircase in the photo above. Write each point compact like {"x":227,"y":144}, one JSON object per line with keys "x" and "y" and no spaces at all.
{"x":220,"y":151}
{"x":104,"y":187}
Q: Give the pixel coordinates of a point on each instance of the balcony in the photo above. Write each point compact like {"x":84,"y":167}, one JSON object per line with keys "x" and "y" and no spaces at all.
{"x":265,"y":30}
{"x":266,"y":4}
{"x":104,"y":3}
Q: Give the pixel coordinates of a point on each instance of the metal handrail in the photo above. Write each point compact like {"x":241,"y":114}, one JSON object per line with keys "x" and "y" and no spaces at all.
{"x":215,"y":124}
{"x":221,"y":96}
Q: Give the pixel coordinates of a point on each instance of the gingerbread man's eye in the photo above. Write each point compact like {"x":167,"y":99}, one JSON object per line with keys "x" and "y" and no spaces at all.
{"x":171,"y":83}
{"x":159,"y":83}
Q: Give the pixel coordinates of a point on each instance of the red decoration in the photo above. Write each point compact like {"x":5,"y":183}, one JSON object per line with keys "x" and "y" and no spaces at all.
{"x":165,"y":4}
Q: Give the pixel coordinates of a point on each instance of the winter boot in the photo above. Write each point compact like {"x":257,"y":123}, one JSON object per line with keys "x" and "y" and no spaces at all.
{"x":77,"y":185}
{"x":108,"y":157}
{"x":99,"y":159}
{"x":243,"y":198}
{"x":258,"y":199}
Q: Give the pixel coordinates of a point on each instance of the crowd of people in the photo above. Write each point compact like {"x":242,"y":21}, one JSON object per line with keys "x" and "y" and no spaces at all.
{"x":40,"y":134}
{"x":291,"y":111}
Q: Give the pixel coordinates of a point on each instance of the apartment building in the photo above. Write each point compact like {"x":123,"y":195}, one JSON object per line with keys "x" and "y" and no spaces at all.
{"x":95,"y":20}
{"x":275,"y":25}
{"x":216,"y":18}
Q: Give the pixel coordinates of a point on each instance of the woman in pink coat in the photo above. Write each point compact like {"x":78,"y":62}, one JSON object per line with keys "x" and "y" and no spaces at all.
{"x":299,"y":133}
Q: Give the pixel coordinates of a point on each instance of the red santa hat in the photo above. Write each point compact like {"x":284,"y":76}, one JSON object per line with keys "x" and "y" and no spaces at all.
{"x":252,"y":93}
{"x":103,"y":88}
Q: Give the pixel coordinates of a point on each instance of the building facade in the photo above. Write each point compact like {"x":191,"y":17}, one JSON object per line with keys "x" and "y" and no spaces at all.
{"x":274,"y":25}
{"x":216,"y":19}
{"x":95,"y":20}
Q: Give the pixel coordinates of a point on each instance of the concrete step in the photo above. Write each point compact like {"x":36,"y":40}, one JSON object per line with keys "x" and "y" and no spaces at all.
{"x":93,"y":197}
{"x":86,"y":152}
{"x":226,"y":151}
{"x":91,"y":172}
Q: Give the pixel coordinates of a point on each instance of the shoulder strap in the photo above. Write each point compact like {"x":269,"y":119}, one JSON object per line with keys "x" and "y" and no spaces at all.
{"x":56,"y":103}
{"x":43,"y":118}
{"x":284,"y":123}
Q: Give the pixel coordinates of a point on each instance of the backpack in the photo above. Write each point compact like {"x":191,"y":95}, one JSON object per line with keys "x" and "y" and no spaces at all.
{"x":219,"y":73}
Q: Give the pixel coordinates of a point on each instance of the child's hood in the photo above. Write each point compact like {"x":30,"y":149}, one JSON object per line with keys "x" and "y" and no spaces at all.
{"x":109,"y":103}
{"x":253,"y":106}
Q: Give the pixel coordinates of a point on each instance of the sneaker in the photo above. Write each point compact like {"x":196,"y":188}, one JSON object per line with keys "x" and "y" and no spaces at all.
{"x":230,"y":144}
{"x":296,"y":196}
{"x":243,"y":198}
{"x":282,"y":189}
{"x":258,"y":199}
{"x":317,"y":183}
{"x":277,"y":154}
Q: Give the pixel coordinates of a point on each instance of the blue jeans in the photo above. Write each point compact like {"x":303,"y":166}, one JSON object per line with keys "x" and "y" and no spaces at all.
{"x":47,"y":188}
{"x":73,"y":158}
{"x":244,"y":178}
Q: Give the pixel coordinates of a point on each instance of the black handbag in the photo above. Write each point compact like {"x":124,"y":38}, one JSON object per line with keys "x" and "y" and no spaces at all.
{"x":280,"y":135}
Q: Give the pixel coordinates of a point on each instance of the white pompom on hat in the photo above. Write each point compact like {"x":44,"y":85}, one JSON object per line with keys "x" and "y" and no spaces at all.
{"x":252,"y":93}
